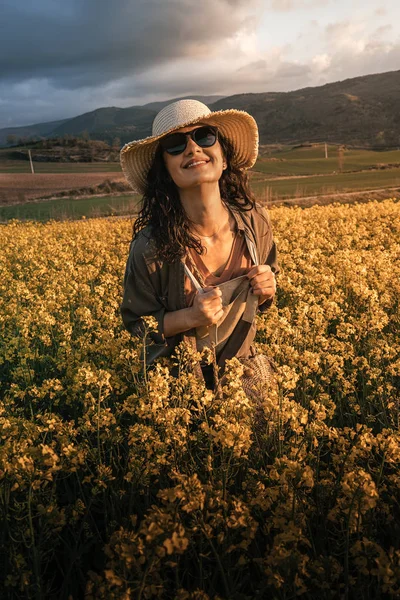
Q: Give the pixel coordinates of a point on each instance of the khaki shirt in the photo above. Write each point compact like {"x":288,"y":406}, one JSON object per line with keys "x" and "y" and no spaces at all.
{"x":153,"y":287}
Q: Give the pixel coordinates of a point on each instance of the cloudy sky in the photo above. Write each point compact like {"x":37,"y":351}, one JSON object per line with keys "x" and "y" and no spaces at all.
{"x":60,"y":58}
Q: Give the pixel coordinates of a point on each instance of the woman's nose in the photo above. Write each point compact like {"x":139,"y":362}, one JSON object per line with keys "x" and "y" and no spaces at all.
{"x":191,"y":146}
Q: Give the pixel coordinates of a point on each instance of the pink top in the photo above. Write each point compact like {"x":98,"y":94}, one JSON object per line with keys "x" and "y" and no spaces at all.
{"x":239,"y":263}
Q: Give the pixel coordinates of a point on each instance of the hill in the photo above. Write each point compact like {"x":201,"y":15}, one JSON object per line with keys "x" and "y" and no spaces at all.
{"x":101,"y":124}
{"x":29,"y":131}
{"x":362,"y":111}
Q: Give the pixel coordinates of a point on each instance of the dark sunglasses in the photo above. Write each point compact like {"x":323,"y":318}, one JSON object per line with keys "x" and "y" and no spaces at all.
{"x":176,"y":143}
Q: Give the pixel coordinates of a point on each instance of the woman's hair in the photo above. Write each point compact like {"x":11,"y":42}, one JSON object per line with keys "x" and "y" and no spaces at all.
{"x":163,"y":212}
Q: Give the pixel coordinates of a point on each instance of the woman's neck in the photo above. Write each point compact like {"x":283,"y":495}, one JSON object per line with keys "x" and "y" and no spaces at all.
{"x":205,"y":209}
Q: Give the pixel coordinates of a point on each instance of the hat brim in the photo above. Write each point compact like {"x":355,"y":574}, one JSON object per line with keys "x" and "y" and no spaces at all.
{"x":237,"y":126}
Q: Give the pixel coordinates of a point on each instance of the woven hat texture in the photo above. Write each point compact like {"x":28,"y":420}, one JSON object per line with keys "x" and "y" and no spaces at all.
{"x":237,"y":126}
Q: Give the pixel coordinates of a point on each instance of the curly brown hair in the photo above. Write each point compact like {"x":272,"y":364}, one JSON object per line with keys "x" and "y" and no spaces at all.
{"x":163,"y":212}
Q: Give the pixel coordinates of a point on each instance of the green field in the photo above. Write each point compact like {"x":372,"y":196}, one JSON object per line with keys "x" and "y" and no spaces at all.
{"x":312,"y":161}
{"x":17,"y":166}
{"x":279,"y":175}
{"x":286,"y":162}
{"x":63,"y":209}
{"x":327,"y":184}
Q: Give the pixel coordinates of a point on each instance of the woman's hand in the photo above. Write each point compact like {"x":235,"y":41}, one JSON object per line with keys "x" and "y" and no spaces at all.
{"x":205,"y":310}
{"x":207,"y":307}
{"x":262,"y":281}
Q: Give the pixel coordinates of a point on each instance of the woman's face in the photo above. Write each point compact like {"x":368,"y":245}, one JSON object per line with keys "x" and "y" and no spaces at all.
{"x":195,"y":165}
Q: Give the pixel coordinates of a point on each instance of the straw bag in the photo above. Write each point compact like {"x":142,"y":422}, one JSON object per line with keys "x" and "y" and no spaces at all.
{"x":259,"y":375}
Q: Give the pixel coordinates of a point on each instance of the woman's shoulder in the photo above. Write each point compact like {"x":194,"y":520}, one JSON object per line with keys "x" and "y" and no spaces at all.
{"x":142,"y":242}
{"x":257,"y":224}
{"x":257,"y":219}
{"x":142,"y":248}
{"x":260,"y":212}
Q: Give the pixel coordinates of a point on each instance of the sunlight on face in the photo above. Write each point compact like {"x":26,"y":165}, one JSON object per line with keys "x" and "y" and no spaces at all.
{"x":195,"y":165}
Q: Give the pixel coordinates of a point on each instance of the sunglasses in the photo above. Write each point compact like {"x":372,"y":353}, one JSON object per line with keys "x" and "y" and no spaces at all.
{"x":176,"y":143}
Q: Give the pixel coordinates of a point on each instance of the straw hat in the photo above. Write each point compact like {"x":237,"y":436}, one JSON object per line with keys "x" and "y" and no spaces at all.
{"x":237,"y":126}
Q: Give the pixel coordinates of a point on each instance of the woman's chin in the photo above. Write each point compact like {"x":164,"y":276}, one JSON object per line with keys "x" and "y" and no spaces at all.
{"x":197,"y":180}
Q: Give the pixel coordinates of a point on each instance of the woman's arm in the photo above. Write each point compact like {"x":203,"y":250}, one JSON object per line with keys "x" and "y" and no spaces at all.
{"x":262,"y":277}
{"x":139,"y":297}
{"x":178,"y":321}
{"x":206,"y":310}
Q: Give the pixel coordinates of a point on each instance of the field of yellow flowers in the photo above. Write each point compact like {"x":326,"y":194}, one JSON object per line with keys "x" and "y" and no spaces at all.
{"x":119,"y":484}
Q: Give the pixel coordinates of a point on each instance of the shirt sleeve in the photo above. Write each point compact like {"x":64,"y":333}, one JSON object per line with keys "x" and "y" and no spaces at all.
{"x":272,"y":261}
{"x":140,"y":298}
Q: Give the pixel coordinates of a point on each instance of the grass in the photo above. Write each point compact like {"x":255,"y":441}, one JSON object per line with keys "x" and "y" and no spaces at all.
{"x":289,"y":161}
{"x":64,"y":209}
{"x":17,"y":166}
{"x":267,"y":190}
{"x":328,"y":184}
{"x":312,"y":161}
{"x":303,"y":172}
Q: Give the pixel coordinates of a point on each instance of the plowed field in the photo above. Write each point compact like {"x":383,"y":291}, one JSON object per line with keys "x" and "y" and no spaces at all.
{"x":21,"y":187}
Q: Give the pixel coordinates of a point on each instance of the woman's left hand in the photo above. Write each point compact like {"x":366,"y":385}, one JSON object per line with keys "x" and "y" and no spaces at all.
{"x":262,"y":281}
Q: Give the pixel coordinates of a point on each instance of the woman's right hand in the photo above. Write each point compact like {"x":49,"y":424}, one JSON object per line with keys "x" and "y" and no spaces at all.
{"x":207,"y":307}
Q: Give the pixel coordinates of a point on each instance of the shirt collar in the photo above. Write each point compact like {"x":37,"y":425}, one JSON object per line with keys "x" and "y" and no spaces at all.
{"x":238,"y":218}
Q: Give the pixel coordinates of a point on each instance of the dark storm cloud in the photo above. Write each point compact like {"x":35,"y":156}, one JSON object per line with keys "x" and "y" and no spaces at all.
{"x":61,"y":58}
{"x":88,"y":42}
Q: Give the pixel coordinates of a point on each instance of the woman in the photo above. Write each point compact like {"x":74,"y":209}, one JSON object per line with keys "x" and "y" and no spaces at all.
{"x":202,"y":260}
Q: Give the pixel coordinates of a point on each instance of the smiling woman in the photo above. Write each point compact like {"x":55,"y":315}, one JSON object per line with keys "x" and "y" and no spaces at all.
{"x":202,"y":259}
{"x":204,"y":166}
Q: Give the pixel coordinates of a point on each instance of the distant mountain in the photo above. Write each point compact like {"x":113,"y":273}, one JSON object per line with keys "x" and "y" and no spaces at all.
{"x":101,"y":124}
{"x":362,"y":111}
{"x":108,"y":123}
{"x":40,"y":130}
{"x":157,"y":106}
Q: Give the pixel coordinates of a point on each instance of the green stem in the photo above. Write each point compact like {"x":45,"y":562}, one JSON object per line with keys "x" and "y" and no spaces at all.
{"x":36,"y":567}
{"x":141,"y":590}
{"x":98,"y":425}
{"x":217,"y":557}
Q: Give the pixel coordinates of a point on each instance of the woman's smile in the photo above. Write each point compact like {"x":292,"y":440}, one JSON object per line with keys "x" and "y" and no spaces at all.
{"x":196,"y":163}
{"x":205,"y":164}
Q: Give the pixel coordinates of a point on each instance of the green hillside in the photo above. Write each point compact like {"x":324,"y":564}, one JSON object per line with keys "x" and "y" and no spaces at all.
{"x":101,"y":124}
{"x":363,"y":111}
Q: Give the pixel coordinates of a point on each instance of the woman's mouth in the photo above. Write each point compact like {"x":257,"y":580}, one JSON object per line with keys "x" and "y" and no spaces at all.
{"x":196,"y":163}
